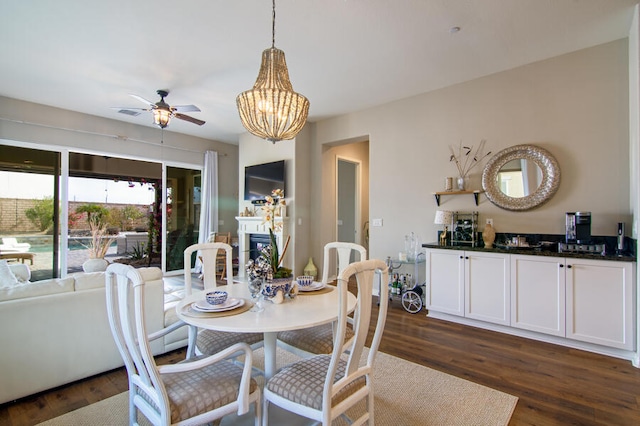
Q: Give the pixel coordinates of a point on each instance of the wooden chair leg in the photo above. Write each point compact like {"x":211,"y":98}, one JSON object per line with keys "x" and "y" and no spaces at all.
{"x":223,"y":271}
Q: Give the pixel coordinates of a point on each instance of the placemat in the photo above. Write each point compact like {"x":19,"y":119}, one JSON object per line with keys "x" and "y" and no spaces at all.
{"x":327,"y":289}
{"x":189,"y":311}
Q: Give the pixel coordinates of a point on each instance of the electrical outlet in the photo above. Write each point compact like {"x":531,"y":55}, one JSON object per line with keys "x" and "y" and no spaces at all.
{"x":490,"y":222}
{"x":376,"y":222}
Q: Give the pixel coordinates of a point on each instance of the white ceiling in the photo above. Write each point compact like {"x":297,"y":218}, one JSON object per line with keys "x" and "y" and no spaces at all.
{"x":343,"y":55}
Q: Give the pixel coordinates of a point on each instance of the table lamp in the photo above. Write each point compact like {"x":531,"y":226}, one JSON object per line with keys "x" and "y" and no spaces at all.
{"x":443,"y":217}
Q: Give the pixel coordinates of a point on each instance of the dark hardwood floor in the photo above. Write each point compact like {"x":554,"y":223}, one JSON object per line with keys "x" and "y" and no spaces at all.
{"x":555,"y":385}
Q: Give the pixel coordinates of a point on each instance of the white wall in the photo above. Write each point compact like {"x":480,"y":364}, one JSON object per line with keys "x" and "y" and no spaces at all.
{"x":253,"y":150}
{"x":575,"y":106}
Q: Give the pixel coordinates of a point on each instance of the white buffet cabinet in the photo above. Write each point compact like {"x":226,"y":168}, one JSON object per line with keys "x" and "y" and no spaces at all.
{"x":470,"y":284}
{"x":583,"y":303}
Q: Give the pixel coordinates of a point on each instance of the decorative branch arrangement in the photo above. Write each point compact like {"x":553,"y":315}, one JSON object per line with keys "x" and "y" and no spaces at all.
{"x":466,"y":159}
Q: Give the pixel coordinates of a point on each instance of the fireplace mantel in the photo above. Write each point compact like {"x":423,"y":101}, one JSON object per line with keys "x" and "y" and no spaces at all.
{"x":248,"y":225}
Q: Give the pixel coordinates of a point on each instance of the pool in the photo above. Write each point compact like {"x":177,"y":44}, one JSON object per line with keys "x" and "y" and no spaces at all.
{"x":74,"y":244}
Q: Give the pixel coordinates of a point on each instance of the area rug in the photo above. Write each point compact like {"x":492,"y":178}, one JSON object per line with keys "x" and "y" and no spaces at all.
{"x":405,"y":394}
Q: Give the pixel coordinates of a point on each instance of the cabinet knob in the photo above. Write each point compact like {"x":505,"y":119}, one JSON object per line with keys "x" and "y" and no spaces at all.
{"x":561,"y":265}
{"x":568,"y":266}
{"x":466,"y":257}
{"x":461,"y":257}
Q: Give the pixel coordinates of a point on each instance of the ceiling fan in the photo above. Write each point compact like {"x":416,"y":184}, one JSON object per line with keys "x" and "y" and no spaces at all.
{"x":162,"y":111}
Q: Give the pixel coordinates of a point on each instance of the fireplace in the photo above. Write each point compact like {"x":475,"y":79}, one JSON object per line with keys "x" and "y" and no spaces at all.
{"x":256,"y":243}
{"x":253,"y":233}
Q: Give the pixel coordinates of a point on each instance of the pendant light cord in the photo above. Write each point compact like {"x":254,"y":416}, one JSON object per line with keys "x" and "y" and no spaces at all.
{"x":273,"y":25}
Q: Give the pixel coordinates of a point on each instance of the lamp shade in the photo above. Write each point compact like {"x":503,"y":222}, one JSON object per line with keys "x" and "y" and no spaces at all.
{"x":443,"y":217}
{"x":161,"y":117}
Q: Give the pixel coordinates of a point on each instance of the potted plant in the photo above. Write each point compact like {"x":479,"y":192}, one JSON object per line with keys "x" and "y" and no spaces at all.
{"x":98,"y":245}
{"x":274,"y":278}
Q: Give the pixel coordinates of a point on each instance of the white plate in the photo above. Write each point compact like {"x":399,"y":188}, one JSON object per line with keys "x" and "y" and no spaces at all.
{"x":313,"y":287}
{"x":204,"y":306}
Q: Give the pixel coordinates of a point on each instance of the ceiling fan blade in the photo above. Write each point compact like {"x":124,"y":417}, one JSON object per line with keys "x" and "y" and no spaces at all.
{"x":185,"y":108}
{"x":141,"y":99}
{"x":189,"y":119}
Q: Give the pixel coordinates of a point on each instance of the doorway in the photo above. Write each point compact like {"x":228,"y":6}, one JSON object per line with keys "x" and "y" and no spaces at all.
{"x":348,"y":200}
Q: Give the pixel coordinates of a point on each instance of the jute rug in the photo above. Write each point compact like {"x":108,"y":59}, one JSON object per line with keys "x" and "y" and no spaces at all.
{"x":406,"y":394}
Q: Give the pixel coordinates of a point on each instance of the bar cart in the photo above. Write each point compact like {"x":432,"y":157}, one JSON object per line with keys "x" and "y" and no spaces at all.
{"x":409,"y":291}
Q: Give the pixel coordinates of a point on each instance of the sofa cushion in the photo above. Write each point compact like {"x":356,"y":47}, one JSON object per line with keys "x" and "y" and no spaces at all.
{"x":37,"y":288}
{"x":7,"y":278}
{"x":170,"y":314}
{"x":88,"y":280}
{"x":150,"y":274}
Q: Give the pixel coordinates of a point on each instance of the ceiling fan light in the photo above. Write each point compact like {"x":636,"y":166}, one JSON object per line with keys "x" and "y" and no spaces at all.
{"x":161,"y":117}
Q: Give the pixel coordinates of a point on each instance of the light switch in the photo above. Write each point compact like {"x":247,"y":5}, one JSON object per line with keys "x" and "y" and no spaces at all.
{"x":376,"y":222}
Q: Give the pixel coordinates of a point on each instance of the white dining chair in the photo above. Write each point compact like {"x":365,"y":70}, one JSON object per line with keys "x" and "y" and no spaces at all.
{"x":191,"y":392}
{"x":319,"y":339}
{"x":324,"y":387}
{"x":211,"y":341}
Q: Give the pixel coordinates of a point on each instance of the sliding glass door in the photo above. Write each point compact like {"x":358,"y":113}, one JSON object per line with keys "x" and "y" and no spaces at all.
{"x":112,"y":207}
{"x":183,"y":214}
{"x":124,"y":197}
{"x":29,"y":209}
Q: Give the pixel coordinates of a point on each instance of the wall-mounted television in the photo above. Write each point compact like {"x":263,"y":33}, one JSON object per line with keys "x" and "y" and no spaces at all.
{"x":261,"y":179}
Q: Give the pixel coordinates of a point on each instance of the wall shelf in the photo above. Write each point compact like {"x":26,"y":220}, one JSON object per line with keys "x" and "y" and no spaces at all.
{"x":476,"y":194}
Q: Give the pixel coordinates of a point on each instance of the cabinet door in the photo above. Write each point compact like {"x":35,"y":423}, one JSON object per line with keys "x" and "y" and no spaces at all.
{"x":600,"y":306}
{"x":445,"y":281}
{"x":538,"y":294}
{"x":487,"y":287}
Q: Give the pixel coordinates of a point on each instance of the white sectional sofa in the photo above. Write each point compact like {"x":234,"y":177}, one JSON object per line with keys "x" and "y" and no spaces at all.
{"x":56,"y":331}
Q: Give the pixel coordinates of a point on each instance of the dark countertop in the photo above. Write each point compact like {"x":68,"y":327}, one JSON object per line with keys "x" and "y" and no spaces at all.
{"x":531,"y":252}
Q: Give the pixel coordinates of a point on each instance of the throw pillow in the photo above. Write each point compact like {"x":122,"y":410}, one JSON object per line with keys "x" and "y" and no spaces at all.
{"x":7,"y":278}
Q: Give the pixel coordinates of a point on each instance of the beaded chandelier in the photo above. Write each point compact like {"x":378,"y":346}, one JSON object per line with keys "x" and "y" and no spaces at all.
{"x":272,"y":110}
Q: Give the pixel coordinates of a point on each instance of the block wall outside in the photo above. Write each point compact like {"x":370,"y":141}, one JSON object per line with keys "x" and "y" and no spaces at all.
{"x":13,"y":219}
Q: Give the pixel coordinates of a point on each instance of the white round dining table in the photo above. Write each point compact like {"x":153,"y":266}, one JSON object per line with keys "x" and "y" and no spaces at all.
{"x":305,"y":310}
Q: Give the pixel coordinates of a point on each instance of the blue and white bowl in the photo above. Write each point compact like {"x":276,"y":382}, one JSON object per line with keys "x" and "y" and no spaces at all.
{"x":278,"y":285}
{"x":305,"y":280}
{"x":216,"y":297}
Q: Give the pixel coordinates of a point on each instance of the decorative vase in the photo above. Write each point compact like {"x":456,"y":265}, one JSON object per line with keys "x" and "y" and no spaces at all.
{"x":488,"y":236}
{"x":95,"y":265}
{"x":311,"y":270}
{"x":448,"y":184}
{"x":462,"y":181}
{"x":276,"y":289}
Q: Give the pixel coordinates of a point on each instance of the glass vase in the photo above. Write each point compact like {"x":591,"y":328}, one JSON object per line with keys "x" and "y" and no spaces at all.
{"x":462,"y":183}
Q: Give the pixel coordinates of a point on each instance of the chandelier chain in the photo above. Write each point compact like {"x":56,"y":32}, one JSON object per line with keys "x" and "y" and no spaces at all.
{"x":273,"y":25}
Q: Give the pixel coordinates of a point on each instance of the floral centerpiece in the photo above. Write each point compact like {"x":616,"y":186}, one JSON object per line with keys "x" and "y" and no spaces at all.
{"x":466,"y":160}
{"x":267,"y":267}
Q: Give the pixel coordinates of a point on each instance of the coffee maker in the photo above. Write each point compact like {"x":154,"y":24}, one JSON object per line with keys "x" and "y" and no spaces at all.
{"x":578,"y":227}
